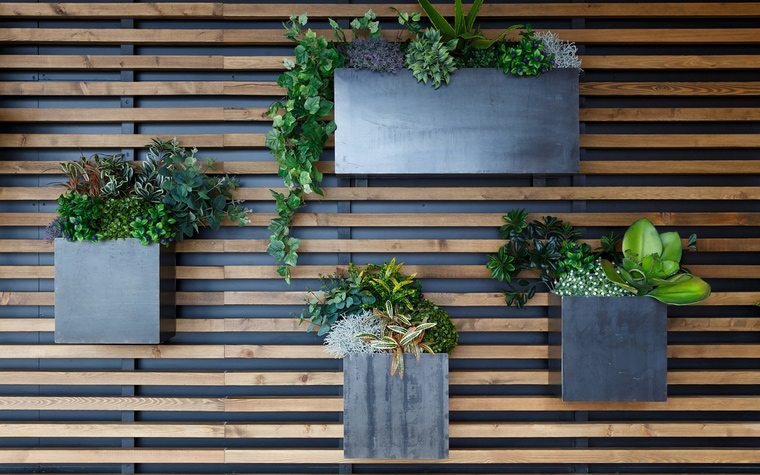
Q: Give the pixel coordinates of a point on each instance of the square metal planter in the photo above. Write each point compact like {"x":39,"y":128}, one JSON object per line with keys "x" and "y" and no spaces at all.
{"x":114,"y":292}
{"x":612,"y":348}
{"x":483,"y":121}
{"x":385,"y":417}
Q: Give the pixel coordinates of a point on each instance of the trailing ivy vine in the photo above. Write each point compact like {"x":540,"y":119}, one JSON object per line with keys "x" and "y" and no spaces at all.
{"x":300,"y":130}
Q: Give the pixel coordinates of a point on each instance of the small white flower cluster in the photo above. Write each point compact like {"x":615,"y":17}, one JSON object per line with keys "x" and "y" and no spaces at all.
{"x":342,"y":337}
{"x":589,"y":282}
{"x":565,"y":52}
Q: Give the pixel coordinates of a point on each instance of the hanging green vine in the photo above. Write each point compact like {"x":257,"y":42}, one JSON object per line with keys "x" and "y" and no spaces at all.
{"x":299,"y":132}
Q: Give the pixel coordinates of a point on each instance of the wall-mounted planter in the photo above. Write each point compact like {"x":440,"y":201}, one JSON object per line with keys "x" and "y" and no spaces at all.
{"x":612,"y":348}
{"x":483,"y":121}
{"x":385,"y":417}
{"x":113,"y":292}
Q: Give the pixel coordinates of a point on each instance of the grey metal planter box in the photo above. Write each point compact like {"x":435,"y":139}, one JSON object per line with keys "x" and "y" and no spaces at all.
{"x":113,"y":292}
{"x":483,"y":121}
{"x":386,"y":417}
{"x":612,"y":348}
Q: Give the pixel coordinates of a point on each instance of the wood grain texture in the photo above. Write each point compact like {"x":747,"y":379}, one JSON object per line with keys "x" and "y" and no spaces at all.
{"x":278,"y":12}
{"x":142,"y":114}
{"x":275,"y":37}
{"x":472,"y":324}
{"x":110,"y":403}
{"x":559,"y":193}
{"x":450,"y":299}
{"x":676,"y":88}
{"x":674,"y":114}
{"x":395,"y":246}
{"x":147,"y":88}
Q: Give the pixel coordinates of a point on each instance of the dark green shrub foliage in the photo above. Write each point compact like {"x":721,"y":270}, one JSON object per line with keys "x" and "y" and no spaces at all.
{"x":154,"y":225}
{"x":443,"y":337}
{"x":526,"y":58}
{"x":81,"y":216}
{"x":118,"y":215}
{"x":472,"y":57}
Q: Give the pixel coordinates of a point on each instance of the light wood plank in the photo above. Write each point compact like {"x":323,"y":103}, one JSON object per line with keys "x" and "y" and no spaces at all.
{"x":129,"y":141}
{"x":680,"y":88}
{"x":670,"y":62}
{"x":142,"y":114}
{"x":147,"y":88}
{"x":562,"y":193}
{"x":103,"y":456}
{"x":109,"y":378}
{"x":110,"y":403}
{"x":101,"y":429}
{"x":673,"y":114}
{"x":278,"y":11}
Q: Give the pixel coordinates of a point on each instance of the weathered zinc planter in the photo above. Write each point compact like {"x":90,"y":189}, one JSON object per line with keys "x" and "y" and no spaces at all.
{"x":612,"y":348}
{"x":483,"y":121}
{"x":113,"y":292}
{"x":385,"y":417}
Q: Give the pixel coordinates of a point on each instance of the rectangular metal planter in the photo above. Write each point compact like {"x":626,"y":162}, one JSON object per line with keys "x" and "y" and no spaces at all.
{"x":612,"y":348}
{"x":114,"y":292}
{"x":483,"y":121}
{"x":385,"y":417}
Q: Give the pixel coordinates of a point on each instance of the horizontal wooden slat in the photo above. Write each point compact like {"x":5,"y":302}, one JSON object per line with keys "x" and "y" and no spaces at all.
{"x":108,"y":403}
{"x":274,"y":63}
{"x":318,"y":351}
{"x":147,"y":88}
{"x":278,"y":12}
{"x":143,"y":114}
{"x":539,"y":324}
{"x":646,"y":193}
{"x":335,"y":404}
{"x":395,"y":246}
{"x":113,"y":88}
{"x":670,"y":141}
{"x":611,"y":167}
{"x":313,"y":272}
{"x":270,"y":36}
{"x":233,"y":114}
{"x":327,"y":378}
{"x":476,"y":220}
{"x":335,"y":430}
{"x":675,"y":114}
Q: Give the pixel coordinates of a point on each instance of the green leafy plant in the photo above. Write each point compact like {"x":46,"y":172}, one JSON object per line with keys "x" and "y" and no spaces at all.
{"x":471,"y":57}
{"x":398,"y":335}
{"x":442,"y":338}
{"x":588,"y":281}
{"x":526,"y":58}
{"x":651,"y":267}
{"x":155,"y":225}
{"x":167,"y":197}
{"x":429,"y":58}
{"x":386,"y":283}
{"x":462,"y":31}
{"x":192,"y":197}
{"x":81,"y":217}
{"x":299,"y":132}
{"x":118,"y":215}
{"x":338,"y":296}
{"x":536,"y":245}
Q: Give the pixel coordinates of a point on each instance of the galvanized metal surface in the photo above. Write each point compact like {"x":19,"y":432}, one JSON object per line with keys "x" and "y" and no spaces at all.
{"x":483,"y":121}
{"x":113,"y":292}
{"x":613,"y":348}
{"x":385,"y":417}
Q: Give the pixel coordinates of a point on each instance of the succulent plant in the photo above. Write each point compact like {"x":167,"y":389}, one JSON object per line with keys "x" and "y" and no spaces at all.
{"x":398,"y":335}
{"x":651,"y":267}
{"x":429,"y":58}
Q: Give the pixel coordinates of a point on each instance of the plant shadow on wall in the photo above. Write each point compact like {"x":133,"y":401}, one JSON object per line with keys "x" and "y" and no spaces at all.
{"x":300,"y":128}
{"x":164,"y":199}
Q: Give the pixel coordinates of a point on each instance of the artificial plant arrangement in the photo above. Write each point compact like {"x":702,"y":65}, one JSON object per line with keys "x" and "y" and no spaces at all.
{"x":649,"y":264}
{"x":301,"y":126}
{"x":377,"y":309}
{"x":162,"y":200}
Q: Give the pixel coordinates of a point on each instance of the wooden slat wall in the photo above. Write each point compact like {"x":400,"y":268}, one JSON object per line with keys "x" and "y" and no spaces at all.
{"x":670,"y":130}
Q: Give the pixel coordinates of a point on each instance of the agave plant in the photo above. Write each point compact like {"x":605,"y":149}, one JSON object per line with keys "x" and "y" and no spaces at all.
{"x":398,"y":335}
{"x":462,"y":31}
{"x":651,"y":267}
